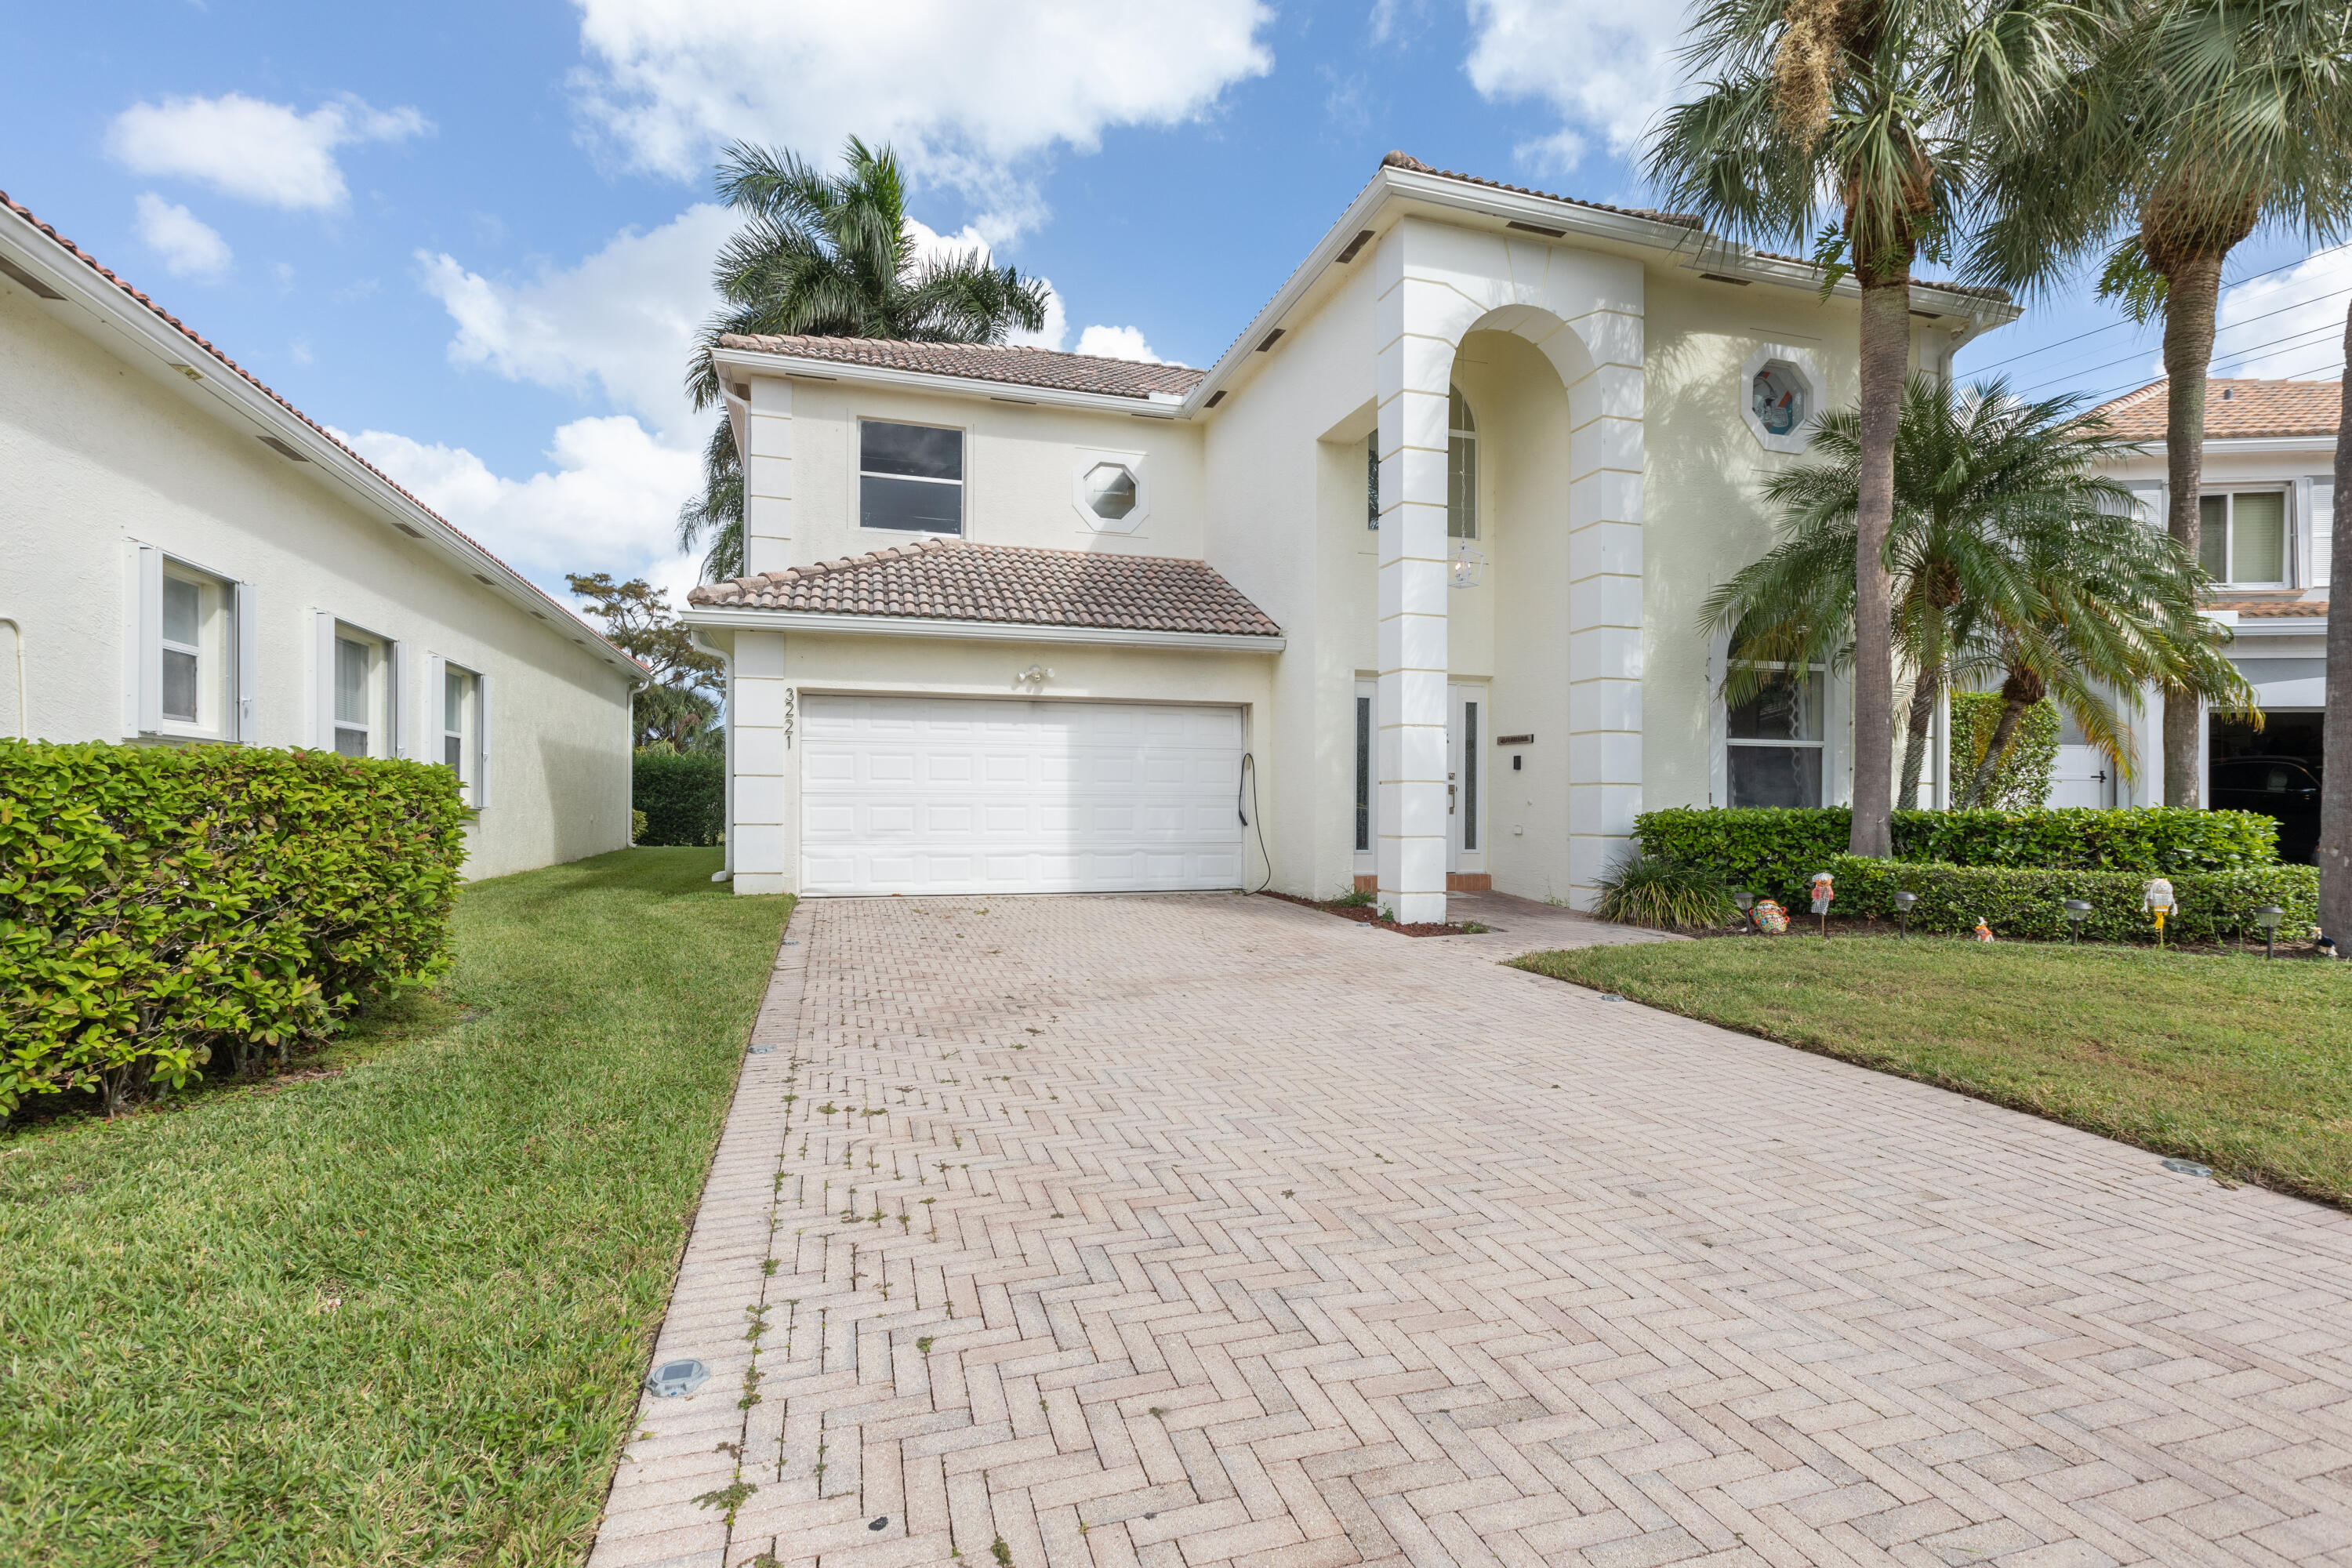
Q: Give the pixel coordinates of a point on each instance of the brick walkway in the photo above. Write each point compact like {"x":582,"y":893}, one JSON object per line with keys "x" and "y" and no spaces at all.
{"x":1178,"y":1231}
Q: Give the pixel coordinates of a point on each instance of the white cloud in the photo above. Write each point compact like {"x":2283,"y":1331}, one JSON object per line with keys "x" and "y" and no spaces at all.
{"x":965,"y":89}
{"x":190,"y":246}
{"x":609,"y":502}
{"x":1606,"y":68}
{"x":2288,"y":324}
{"x":622,"y":318}
{"x":257,"y":151}
{"x":1118,"y":342}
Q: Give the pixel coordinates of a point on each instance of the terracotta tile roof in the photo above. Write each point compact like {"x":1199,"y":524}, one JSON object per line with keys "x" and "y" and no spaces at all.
{"x":2252,"y":408}
{"x":1678,"y":220}
{"x":2272,"y":608}
{"x":986,"y":361}
{"x":87,"y":259}
{"x":957,"y":580}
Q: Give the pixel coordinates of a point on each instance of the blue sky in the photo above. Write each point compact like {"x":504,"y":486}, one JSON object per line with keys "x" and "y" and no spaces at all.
{"x":475,"y":239}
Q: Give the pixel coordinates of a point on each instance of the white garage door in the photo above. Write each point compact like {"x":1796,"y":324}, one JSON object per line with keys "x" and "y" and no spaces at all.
{"x":919,"y":794}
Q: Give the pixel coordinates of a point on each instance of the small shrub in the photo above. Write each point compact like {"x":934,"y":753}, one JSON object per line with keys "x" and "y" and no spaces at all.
{"x":1355,"y":898}
{"x":2022,"y":781}
{"x":2213,"y":905}
{"x":159,"y":904}
{"x":1773,"y":848}
{"x":683,"y":795}
{"x":1651,"y":890}
{"x":636,"y":825}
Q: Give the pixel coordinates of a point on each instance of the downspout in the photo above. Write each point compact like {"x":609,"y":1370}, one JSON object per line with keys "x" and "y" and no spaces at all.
{"x":23,"y":713}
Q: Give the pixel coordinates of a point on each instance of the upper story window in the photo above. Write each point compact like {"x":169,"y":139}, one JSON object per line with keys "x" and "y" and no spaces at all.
{"x":1372,"y":480}
{"x":1774,"y":740}
{"x":2242,"y":537}
{"x":909,"y":476}
{"x":1461,"y":468}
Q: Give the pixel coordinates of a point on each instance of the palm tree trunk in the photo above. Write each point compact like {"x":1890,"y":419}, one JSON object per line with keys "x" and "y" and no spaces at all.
{"x":1915,"y":742}
{"x":2012,"y":712}
{"x":2336,"y":754}
{"x":2191,"y":290}
{"x":1885,"y":357}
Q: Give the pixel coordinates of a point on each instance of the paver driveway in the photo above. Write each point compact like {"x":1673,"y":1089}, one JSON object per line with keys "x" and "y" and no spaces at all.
{"x":1183,"y":1230}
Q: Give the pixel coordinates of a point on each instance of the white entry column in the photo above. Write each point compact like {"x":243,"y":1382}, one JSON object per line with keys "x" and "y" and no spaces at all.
{"x":1416,"y":361}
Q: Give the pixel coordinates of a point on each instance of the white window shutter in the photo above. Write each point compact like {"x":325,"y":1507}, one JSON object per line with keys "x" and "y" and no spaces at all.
{"x":402,"y":742}
{"x":246,"y":725}
{"x":323,"y":686}
{"x":428,"y":712}
{"x":2322,"y":527}
{"x":483,"y":709}
{"x":146,"y":645}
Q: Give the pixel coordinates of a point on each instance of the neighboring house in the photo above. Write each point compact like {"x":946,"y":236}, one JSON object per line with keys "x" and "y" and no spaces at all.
{"x":1402,"y":592}
{"x":189,"y":559}
{"x":2267,"y":506}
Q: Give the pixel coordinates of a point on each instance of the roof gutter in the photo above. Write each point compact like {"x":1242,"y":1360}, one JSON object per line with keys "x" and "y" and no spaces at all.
{"x":237,"y":397}
{"x":826,"y":622}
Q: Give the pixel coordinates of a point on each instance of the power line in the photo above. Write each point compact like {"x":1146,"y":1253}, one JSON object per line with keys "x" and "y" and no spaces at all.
{"x":2224,"y":354}
{"x":2114,"y":326}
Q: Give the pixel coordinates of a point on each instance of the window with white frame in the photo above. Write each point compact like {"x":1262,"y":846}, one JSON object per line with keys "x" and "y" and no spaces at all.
{"x":1363,"y":772}
{"x":194,"y":653}
{"x":1775,"y":740}
{"x":363,"y":694}
{"x":909,"y":478}
{"x":1372,"y":480}
{"x":461,"y":704}
{"x":1461,"y":468}
{"x":2242,"y":537}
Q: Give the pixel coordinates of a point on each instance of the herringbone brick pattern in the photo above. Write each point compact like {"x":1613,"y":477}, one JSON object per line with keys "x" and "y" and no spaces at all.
{"x":1177,"y":1231}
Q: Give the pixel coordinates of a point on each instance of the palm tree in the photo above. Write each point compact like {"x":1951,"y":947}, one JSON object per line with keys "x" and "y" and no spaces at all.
{"x":1858,"y":127}
{"x":2009,"y":556}
{"x":2194,"y":125}
{"x":829,"y":256}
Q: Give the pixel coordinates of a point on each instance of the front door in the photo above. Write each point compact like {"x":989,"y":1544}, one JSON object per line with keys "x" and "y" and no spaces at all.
{"x":1465,"y":797}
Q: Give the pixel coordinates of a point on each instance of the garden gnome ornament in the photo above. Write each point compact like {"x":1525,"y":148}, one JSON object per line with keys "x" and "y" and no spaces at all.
{"x":2327,"y":946}
{"x":1984,"y":931}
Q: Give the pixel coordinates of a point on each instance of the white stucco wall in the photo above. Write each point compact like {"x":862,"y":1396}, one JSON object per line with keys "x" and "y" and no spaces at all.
{"x":100,"y":457}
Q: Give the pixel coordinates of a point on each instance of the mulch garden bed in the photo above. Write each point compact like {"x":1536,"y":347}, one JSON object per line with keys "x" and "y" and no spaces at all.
{"x":1365,"y":914}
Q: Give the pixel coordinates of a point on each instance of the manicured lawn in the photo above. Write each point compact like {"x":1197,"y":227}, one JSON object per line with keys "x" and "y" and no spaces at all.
{"x":2241,"y":1065}
{"x":396,"y":1315}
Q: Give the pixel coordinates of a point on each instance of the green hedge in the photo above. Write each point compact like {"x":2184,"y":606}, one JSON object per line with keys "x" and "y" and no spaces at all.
{"x":683,"y":795}
{"x":2021,"y":780}
{"x":158,"y":905}
{"x":2029,"y":903}
{"x":1764,"y":847}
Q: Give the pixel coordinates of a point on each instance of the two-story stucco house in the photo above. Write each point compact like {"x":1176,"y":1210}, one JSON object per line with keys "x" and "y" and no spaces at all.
{"x":186,"y":559}
{"x":2265,"y":532}
{"x":1402,"y":592}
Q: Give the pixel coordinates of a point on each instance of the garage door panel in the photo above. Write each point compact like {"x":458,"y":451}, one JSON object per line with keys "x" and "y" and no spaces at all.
{"x":954,"y":794}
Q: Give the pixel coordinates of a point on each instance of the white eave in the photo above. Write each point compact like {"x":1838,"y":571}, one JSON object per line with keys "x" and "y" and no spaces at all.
{"x":1701,"y":252}
{"x":149,"y":342}
{"x":2227,"y":444}
{"x":761,"y":362}
{"x":715,"y":618}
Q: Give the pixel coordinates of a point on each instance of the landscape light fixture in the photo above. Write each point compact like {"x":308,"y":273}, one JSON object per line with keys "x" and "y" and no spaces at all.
{"x":1903,"y":898}
{"x":2076,"y":913}
{"x":2268,"y":917}
{"x":1745,"y":902}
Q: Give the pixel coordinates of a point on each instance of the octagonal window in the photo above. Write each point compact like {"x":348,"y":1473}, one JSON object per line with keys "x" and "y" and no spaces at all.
{"x":1781,"y":398}
{"x":1110,"y":490}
